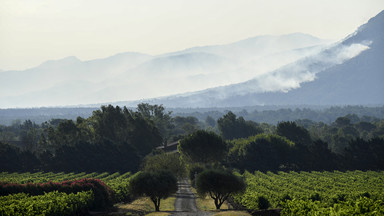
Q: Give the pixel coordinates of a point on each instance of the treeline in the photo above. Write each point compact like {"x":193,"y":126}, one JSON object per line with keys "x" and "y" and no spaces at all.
{"x":118,"y":139}
{"x":262,"y":114}
{"x":348,"y":143}
{"x":112,"y":139}
{"x":276,"y":114}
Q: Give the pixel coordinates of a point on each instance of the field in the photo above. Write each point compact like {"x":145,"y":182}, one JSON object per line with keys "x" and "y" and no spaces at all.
{"x":60,"y":193}
{"x":295,"y":193}
{"x":315,"y":193}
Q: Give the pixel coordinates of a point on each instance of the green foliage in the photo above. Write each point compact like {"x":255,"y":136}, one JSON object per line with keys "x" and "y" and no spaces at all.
{"x":183,"y":126}
{"x":165,"y":161}
{"x":219,"y":185}
{"x":40,"y":182}
{"x":260,"y":152}
{"x":203,"y":146}
{"x":233,"y":128}
{"x":52,"y":203}
{"x":116,"y":139}
{"x":160,"y":118}
{"x":156,"y":185}
{"x":361,"y":154}
{"x":194,"y":169}
{"x":316,"y":193}
{"x":102,"y":193}
{"x":293,"y":132}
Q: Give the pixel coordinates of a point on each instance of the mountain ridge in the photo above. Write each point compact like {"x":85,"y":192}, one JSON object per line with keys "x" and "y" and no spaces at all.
{"x":121,"y":77}
{"x":357,"y":80}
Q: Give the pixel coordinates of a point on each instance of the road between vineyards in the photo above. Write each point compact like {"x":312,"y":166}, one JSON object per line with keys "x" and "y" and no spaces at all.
{"x":185,"y":204}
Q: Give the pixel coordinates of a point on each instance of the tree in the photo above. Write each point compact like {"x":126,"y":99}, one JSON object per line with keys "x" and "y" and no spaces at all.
{"x":233,"y":128}
{"x":219,"y":185}
{"x":157,"y":114}
{"x":164,"y":161}
{"x":293,"y":132}
{"x":184,"y":126}
{"x":203,"y":146}
{"x":210,"y":121}
{"x":156,"y":185}
{"x":261,"y":152}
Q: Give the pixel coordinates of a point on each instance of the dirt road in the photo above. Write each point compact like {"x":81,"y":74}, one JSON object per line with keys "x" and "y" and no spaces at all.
{"x":185,"y":204}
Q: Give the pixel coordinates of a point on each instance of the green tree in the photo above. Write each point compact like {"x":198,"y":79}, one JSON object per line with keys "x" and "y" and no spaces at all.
{"x":165,"y":161}
{"x":293,"y":132}
{"x":155,"y":185}
{"x":261,"y":152}
{"x":231,"y":127}
{"x":184,"y":126}
{"x":219,"y":185}
{"x":159,"y":116}
{"x":203,"y":146}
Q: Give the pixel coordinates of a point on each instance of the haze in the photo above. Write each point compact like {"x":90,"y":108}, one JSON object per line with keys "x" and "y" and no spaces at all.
{"x":33,"y":31}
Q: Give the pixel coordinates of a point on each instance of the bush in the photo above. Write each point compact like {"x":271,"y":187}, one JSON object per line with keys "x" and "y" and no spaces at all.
{"x":103,"y":195}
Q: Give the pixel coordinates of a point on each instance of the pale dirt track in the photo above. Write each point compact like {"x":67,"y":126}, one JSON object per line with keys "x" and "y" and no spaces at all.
{"x":185,"y":204}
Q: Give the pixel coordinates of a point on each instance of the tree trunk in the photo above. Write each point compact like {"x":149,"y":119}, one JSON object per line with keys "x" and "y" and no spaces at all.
{"x":156,"y":202}
{"x":218,"y":203}
{"x":157,"y":206}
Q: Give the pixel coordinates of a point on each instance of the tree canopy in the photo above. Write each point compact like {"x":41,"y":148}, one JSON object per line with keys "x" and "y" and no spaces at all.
{"x":231,"y":127}
{"x":219,"y":185}
{"x":293,"y":132}
{"x":155,"y":185}
{"x":261,"y":152}
{"x":203,"y":147}
{"x":165,"y":161}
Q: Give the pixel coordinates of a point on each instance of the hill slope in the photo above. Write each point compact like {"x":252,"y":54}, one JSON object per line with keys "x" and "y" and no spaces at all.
{"x":130,"y":76}
{"x":349,"y":72}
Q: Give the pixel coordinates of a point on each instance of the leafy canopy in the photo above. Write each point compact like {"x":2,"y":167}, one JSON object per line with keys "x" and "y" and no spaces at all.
{"x":219,"y":185}
{"x":155,"y":185}
{"x":203,"y":146}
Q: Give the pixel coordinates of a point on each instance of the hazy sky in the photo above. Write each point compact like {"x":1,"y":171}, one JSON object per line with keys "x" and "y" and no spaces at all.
{"x":33,"y":31}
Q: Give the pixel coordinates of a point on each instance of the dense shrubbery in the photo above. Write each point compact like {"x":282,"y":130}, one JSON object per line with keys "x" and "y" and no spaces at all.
{"x":103,"y":197}
{"x":50,"y":204}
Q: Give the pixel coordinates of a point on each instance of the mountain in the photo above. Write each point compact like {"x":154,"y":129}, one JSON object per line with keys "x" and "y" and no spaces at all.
{"x":132,"y":76}
{"x":39,"y":85}
{"x":350,"y":72}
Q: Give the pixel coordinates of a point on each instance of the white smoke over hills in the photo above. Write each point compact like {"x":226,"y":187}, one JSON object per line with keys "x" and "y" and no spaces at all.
{"x":133,"y":76}
{"x":349,"y":72}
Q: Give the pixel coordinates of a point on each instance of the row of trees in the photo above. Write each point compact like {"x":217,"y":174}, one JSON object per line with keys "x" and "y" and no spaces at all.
{"x":112,"y":139}
{"x":117,"y":139}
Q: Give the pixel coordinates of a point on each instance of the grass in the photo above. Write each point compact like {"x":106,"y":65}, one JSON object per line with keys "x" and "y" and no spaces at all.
{"x":144,"y":204}
{"x":207,"y":203}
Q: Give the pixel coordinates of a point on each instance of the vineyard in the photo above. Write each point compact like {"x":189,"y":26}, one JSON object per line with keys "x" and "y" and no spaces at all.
{"x":295,"y":193}
{"x":61,"y":193}
{"x":315,"y":193}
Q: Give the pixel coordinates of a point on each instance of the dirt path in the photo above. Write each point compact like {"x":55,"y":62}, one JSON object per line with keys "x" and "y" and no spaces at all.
{"x":185,"y":204}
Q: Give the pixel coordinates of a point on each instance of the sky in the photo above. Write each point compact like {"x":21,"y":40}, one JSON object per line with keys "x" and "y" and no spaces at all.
{"x":34,"y":31}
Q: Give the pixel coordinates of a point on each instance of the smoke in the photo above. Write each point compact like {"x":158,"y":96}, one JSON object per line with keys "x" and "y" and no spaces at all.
{"x":304,"y":70}
{"x":264,"y":64}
